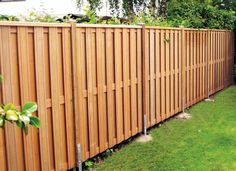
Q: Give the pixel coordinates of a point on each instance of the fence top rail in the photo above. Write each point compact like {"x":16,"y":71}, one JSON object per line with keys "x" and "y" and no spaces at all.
{"x":107,"y":26}
{"x":190,"y":29}
{"x":34,"y":24}
{"x":45,"y":24}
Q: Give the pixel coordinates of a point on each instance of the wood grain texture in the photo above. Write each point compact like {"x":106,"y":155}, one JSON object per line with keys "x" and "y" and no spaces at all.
{"x":94,"y":83}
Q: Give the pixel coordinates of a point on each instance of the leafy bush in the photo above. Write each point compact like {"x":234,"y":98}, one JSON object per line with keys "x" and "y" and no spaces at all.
{"x":36,"y":16}
{"x":9,"y":113}
{"x":8,"y":18}
{"x":197,"y":14}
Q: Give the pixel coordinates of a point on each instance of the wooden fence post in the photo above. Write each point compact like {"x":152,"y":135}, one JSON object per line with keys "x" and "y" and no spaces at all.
{"x":208,"y":62}
{"x":183,"y":64}
{"x":76,"y":94}
{"x":144,"y":79}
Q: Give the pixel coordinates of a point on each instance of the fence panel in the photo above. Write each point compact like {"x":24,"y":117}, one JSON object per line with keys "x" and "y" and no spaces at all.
{"x":109,"y":66}
{"x":94,"y":83}
{"x":36,"y":65}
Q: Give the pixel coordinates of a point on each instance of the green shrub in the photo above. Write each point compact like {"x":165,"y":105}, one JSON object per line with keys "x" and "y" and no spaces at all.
{"x":23,"y":118}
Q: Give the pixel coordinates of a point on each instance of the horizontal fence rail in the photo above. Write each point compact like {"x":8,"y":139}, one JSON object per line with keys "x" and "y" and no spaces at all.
{"x":94,"y":83}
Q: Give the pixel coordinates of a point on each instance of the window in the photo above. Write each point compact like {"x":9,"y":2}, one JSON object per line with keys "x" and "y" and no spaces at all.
{"x":10,"y":0}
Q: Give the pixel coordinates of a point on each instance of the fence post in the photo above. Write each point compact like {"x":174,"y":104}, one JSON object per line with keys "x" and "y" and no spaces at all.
{"x":208,"y":57}
{"x":208,"y":99}
{"x":144,"y":79}
{"x":183,"y":64}
{"x":76,"y":93}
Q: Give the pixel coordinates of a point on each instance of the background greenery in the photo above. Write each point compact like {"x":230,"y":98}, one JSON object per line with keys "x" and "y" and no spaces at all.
{"x":215,"y":14}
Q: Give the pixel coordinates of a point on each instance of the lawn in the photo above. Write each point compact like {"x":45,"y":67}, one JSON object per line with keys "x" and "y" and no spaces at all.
{"x":205,"y":142}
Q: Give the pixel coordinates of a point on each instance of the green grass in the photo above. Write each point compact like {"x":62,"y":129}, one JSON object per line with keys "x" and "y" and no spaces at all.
{"x":205,"y":142}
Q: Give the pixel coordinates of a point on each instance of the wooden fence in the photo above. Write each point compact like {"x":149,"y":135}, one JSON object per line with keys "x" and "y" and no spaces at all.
{"x":94,"y":83}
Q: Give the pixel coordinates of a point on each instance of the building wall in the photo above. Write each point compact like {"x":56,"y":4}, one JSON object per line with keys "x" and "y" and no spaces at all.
{"x":55,"y":7}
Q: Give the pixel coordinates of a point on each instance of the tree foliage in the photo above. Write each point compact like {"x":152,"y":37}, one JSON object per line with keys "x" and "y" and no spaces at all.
{"x":217,"y":14}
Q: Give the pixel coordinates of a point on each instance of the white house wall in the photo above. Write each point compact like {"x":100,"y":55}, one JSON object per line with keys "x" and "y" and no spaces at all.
{"x":55,"y":7}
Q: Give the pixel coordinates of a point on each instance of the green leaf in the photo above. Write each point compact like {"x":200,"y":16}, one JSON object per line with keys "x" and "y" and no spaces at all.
{"x":29,"y":107}
{"x":25,"y":129}
{"x":24,"y":119}
{"x":9,"y":106}
{"x":1,"y":122}
{"x":20,"y":124}
{"x":1,"y":77}
{"x":35,"y":121}
{"x":11,"y":115}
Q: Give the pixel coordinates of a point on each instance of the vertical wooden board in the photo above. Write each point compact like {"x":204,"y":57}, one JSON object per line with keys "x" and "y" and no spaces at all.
{"x":110,"y":92}
{"x":220,"y":61}
{"x":33,"y":97}
{"x":41,"y":97}
{"x":118,"y":79}
{"x":152,"y":81}
{"x":3,"y":146}
{"x":48,"y":91}
{"x":69,"y":112}
{"x":14,"y":137}
{"x":61,"y":90}
{"x":3,"y":153}
{"x":171,"y":42}
{"x":204,"y":53}
{"x":133,"y":82}
{"x":125,"y":47}
{"x":183,"y":66}
{"x":146,"y":78}
{"x":53,"y":52}
{"x":157,"y":65}
{"x":190,"y":66}
{"x":139,"y":68}
{"x":200,"y":67}
{"x":27,"y":89}
{"x":163,"y":110}
{"x":16,"y":98}
{"x":180,"y":69}
{"x":100,"y":85}
{"x":187,"y":40}
{"x":167,"y":72}
{"x":95,"y":125}
{"x":197,"y":65}
{"x":223,"y":58}
{"x":211,"y":63}
{"x":78,"y":37}
{"x":176,"y":56}
{"x":195,"y":68}
{"x":90,"y":83}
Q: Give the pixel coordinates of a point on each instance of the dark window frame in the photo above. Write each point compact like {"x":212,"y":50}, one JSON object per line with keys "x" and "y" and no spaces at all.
{"x":11,"y":0}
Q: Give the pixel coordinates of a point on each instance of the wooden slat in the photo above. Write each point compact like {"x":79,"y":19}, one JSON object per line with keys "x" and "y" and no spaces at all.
{"x":41,"y":97}
{"x":118,"y":78}
{"x":139,"y":70}
{"x":126,"y":62}
{"x":133,"y":87}
{"x":67,"y":78}
{"x":53,"y":39}
{"x":163,"y":110}
{"x":157,"y":65}
{"x":152,"y":81}
{"x":101,"y":97}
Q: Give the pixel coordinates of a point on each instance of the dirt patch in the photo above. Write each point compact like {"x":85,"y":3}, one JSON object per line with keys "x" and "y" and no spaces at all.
{"x":144,"y":138}
{"x":183,"y":116}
